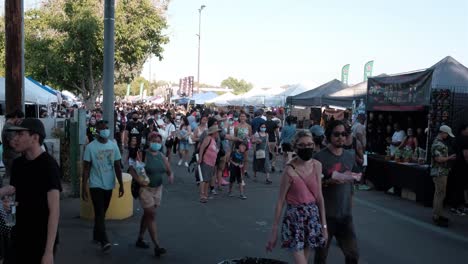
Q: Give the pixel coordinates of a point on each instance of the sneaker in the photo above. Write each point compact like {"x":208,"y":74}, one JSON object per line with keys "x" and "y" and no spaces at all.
{"x":268,"y":181}
{"x":158,"y":251}
{"x":457,"y":211}
{"x":180,"y":163}
{"x":465,"y":210}
{"x":230,"y":194}
{"x":106,"y":247}
{"x":186,"y":164}
{"x":243,"y":197}
{"x":214,"y":192}
{"x":140,"y":243}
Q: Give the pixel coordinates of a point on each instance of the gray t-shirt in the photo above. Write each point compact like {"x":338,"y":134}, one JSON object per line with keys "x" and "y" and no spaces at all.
{"x":337,"y":197}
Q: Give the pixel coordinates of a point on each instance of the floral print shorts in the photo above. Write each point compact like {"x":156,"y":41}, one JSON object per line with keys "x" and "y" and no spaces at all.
{"x":301,"y":227}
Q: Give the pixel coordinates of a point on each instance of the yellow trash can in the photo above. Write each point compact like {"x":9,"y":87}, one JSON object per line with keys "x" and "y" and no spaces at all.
{"x":119,"y":208}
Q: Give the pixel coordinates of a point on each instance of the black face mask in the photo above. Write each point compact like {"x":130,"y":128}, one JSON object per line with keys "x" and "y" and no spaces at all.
{"x":305,"y":153}
{"x":135,"y":119}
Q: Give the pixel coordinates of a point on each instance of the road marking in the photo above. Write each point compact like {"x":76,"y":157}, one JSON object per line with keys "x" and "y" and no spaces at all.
{"x":419,"y":223}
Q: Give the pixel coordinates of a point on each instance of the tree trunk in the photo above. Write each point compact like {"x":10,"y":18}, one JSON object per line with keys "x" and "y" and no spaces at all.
{"x":90,"y":102}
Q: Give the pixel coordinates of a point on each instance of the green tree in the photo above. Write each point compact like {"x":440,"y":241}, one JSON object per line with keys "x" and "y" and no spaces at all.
{"x":64,"y":43}
{"x":239,"y":86}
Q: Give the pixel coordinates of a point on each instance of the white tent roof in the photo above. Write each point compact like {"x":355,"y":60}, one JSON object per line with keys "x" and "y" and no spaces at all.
{"x":34,"y":93}
{"x":222,"y":99}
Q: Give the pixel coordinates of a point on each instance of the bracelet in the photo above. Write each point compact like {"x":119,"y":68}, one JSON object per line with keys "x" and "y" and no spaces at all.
{"x":324,"y":226}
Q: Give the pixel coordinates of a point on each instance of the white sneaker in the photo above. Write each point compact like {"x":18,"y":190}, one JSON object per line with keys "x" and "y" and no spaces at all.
{"x":180,"y":163}
{"x":186,"y":164}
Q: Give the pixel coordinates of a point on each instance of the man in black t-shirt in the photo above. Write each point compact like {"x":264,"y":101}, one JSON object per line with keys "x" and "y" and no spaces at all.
{"x":36,"y":177}
{"x":134,"y":129}
{"x":273,"y":135}
{"x":338,"y":194}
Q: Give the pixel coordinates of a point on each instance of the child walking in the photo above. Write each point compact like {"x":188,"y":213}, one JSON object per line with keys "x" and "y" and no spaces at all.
{"x":235,"y":169}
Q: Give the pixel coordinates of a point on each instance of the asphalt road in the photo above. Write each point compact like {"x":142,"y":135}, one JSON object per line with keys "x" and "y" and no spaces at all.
{"x":389,"y":229}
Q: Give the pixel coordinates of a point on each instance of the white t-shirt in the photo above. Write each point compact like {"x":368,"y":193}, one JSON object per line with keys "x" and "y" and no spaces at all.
{"x":169,"y":129}
{"x":398,"y":136}
{"x":359,"y":128}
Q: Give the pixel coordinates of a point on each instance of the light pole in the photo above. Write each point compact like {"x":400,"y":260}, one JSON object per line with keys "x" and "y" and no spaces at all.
{"x":199,"y":37}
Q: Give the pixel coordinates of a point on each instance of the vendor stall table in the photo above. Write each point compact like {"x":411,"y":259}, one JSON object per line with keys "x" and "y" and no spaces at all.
{"x":385,"y":174}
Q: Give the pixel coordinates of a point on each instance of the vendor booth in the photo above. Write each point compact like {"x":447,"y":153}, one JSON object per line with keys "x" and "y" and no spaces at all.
{"x":419,"y":101}
{"x":307,"y":106}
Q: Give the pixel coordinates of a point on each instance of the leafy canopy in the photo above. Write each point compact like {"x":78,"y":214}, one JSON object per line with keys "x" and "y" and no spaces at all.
{"x":239,"y":86}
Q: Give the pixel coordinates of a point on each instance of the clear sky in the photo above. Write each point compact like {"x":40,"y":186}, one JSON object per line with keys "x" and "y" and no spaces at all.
{"x":277,"y":42}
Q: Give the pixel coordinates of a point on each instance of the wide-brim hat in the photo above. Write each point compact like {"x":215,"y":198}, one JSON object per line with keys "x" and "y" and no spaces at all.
{"x":213,"y":129}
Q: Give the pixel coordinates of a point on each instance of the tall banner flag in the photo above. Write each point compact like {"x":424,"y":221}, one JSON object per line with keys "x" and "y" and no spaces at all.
{"x":368,"y":70}
{"x":345,"y":74}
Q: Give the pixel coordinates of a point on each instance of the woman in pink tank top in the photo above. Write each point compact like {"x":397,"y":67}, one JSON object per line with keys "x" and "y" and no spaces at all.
{"x":304,"y":224}
{"x":207,"y":154}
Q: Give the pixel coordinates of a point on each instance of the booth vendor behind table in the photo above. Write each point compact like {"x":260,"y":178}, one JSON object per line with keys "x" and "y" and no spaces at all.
{"x":424,"y":99}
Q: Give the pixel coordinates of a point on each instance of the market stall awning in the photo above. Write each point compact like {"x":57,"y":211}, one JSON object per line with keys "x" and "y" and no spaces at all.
{"x":314,"y":97}
{"x":35,"y":93}
{"x":201,"y":98}
{"x":222,"y":99}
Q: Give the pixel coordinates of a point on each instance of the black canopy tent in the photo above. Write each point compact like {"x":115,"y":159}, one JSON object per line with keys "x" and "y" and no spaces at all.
{"x":314,"y":97}
{"x":345,"y":97}
{"x":440,"y":93}
{"x":442,"y":90}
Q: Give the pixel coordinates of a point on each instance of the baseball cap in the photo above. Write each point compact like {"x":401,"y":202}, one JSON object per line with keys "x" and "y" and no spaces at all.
{"x":447,"y":130}
{"x":317,"y":131}
{"x":30,"y":124}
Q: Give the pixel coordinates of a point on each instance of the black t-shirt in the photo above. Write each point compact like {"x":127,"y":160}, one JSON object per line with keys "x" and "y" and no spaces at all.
{"x":337,"y":197}
{"x":91,"y":132}
{"x":33,"y":179}
{"x":271,"y":127}
{"x":135,"y":129}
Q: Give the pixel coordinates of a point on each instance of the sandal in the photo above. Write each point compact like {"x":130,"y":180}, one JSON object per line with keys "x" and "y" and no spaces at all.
{"x":203,"y":200}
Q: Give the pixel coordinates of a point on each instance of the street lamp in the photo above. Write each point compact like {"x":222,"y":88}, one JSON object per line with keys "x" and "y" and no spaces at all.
{"x":199,"y":37}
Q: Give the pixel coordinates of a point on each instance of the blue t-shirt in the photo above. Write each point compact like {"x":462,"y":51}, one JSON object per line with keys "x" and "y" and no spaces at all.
{"x":287,"y":134}
{"x":102,"y":158}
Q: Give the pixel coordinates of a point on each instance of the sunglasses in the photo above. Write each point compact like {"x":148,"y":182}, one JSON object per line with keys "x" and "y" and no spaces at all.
{"x":337,"y":134}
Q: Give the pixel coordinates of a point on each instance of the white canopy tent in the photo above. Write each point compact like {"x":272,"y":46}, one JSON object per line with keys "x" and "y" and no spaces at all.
{"x":257,"y":97}
{"x":34,"y":93}
{"x":222,"y":99}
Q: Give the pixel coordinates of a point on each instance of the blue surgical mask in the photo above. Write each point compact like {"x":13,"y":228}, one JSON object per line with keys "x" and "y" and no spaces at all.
{"x":235,"y":118}
{"x":263,"y":129}
{"x":155,"y":146}
{"x":105,"y":133}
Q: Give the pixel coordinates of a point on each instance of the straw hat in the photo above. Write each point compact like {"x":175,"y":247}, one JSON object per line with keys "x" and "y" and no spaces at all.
{"x":213,"y":129}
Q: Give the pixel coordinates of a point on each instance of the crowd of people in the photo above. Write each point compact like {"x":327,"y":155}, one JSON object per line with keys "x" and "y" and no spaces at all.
{"x":320,"y":166}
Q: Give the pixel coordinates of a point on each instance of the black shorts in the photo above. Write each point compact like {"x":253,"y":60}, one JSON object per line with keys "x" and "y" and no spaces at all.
{"x":235,"y":174}
{"x":286,"y":147}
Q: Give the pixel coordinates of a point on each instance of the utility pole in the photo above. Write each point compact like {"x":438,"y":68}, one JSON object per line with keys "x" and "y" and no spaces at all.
{"x":14,"y":55}
{"x":199,"y":38}
{"x":108,"y":92}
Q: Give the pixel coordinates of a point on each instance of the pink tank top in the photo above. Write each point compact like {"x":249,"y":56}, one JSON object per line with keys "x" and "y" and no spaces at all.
{"x":211,"y":152}
{"x":300,"y":190}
